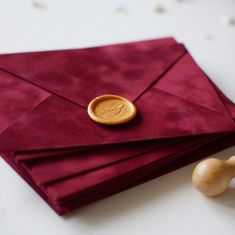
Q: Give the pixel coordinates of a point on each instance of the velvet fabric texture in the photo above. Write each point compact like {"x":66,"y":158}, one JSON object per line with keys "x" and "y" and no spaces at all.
{"x":48,"y":138}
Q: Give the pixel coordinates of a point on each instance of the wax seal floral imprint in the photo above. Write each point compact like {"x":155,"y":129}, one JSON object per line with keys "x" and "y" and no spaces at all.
{"x":111,"y":110}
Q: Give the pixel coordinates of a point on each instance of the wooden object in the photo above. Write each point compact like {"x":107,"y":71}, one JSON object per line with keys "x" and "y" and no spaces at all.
{"x":212,"y":176}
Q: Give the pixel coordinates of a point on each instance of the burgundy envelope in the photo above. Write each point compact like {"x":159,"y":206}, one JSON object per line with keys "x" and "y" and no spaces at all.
{"x":47,"y":136}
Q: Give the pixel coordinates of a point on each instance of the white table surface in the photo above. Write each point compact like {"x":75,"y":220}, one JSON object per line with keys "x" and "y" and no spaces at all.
{"x":169,"y":204}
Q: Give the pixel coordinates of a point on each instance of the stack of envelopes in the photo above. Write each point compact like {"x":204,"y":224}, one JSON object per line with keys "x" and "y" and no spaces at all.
{"x":47,"y":136}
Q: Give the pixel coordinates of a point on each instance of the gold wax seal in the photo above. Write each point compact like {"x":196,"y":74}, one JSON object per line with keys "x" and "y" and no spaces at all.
{"x":111,"y":110}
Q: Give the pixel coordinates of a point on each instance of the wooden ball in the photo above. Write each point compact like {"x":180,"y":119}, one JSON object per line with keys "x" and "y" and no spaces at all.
{"x":212,"y":176}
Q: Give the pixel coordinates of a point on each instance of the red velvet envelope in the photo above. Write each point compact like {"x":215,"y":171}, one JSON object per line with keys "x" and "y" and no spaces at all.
{"x":47,"y":136}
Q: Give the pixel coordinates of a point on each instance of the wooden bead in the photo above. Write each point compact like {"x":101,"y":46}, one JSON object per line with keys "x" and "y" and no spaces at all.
{"x":212,"y":176}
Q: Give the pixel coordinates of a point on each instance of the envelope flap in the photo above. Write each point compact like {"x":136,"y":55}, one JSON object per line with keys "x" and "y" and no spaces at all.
{"x":182,"y":103}
{"x":56,"y":123}
{"x":80,"y":75}
{"x":187,"y":81}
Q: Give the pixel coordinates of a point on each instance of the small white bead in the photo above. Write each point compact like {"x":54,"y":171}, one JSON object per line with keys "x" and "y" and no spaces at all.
{"x":226,"y":20}
{"x":39,"y":5}
{"x":180,"y":0}
{"x":121,"y":10}
{"x":209,"y":37}
{"x":158,"y":8}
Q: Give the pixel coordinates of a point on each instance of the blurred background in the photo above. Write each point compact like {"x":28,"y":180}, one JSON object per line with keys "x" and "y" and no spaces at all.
{"x":207,"y":27}
{"x":164,"y":206}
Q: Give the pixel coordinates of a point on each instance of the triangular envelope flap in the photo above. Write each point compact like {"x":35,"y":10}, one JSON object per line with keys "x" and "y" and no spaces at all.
{"x":80,"y":75}
{"x":57,"y":123}
{"x":187,"y":81}
{"x":227,"y":102}
{"x":17,"y":98}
